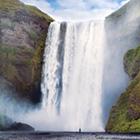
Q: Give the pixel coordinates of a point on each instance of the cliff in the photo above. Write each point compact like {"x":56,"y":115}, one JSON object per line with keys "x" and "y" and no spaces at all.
{"x":23,"y":31}
{"x":125,"y":114}
{"x":122,"y":33}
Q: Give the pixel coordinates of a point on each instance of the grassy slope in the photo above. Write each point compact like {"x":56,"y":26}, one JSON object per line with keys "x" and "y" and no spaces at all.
{"x":14,"y":5}
{"x":125,"y":115}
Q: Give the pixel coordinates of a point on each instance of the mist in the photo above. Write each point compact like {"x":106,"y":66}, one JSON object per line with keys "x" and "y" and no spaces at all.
{"x":121,"y":34}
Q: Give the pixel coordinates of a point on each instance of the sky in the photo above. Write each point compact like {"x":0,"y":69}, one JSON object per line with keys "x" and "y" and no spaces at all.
{"x":71,"y":10}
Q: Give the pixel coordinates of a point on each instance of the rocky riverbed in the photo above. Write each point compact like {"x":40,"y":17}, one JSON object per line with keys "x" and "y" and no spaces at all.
{"x":65,"y":136}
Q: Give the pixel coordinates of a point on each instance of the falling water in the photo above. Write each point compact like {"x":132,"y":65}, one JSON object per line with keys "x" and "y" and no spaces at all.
{"x":83,"y":75}
{"x":72,"y":76}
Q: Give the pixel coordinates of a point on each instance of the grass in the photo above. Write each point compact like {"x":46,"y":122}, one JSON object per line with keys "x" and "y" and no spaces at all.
{"x":125,"y":115}
{"x":132,"y":62}
{"x":133,"y":54}
{"x":10,"y":5}
{"x":123,"y":121}
{"x":21,"y":64}
{"x":38,"y":13}
{"x":14,"y":5}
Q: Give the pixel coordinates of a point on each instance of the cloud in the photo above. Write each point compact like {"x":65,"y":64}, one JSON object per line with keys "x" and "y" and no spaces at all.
{"x":87,"y":4}
{"x":70,"y":15}
{"x":77,"y":9}
{"x":124,"y":2}
{"x":43,"y":5}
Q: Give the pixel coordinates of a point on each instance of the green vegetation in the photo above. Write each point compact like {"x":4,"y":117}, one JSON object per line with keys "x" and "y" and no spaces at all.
{"x":23,"y":31}
{"x":37,"y":57}
{"x":125,"y":115}
{"x":132,"y":62}
{"x":10,"y":5}
{"x":32,"y":34}
{"x":6,"y":50}
{"x":38,"y":13}
{"x":120,"y":120}
{"x":14,"y":5}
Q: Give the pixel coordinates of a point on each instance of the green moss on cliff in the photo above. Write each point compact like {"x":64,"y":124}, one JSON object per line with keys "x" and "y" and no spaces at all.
{"x":15,"y":5}
{"x":38,"y":57}
{"x":38,"y":13}
{"x":125,"y":115}
{"x":23,"y":32}
{"x":132,"y":62}
{"x":120,"y":119}
{"x":10,"y":5}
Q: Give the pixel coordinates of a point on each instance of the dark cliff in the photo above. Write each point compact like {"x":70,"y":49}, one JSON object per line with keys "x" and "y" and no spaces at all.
{"x":125,"y":114}
{"x":23,"y":31}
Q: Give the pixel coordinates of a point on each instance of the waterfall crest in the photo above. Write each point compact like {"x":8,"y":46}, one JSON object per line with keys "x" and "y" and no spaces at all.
{"x":72,"y":76}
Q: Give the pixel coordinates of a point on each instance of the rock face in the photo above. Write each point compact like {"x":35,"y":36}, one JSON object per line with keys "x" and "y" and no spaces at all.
{"x":23,"y":31}
{"x":125,"y":115}
{"x":122,"y":34}
{"x":132,"y":62}
{"x":132,"y":67}
{"x":19,"y":127}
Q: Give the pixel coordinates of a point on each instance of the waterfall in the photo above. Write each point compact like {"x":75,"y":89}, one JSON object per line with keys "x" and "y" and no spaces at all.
{"x":83,"y":75}
{"x":72,"y":76}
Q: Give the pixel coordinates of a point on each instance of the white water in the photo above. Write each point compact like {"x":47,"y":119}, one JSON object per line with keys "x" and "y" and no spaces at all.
{"x":72,"y":76}
{"x":83,"y":76}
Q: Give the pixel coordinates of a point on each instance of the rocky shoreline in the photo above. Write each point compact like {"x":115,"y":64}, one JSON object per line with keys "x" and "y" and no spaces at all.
{"x":66,"y":136}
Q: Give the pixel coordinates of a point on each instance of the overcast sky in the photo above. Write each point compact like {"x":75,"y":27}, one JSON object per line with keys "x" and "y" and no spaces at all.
{"x":77,"y":9}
